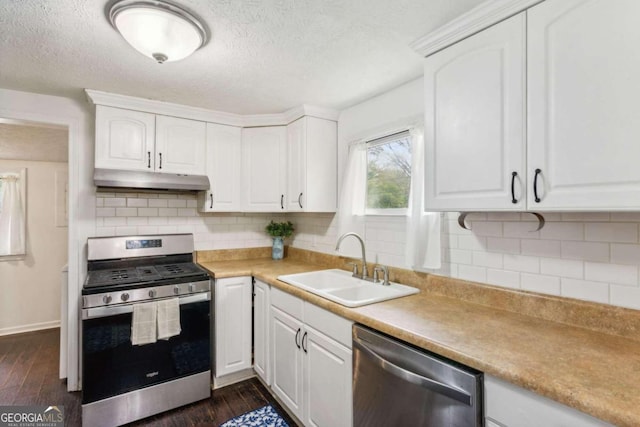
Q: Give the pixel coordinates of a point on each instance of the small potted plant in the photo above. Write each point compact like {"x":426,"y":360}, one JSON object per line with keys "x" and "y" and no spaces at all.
{"x":279,"y":231}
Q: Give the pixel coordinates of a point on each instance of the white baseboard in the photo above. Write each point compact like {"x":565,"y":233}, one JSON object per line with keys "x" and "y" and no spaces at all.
{"x":29,"y":328}
{"x":236,"y":377}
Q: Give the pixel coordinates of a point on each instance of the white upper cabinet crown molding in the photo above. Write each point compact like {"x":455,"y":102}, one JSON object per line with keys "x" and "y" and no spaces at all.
{"x":474,"y":21}
{"x":195,"y":113}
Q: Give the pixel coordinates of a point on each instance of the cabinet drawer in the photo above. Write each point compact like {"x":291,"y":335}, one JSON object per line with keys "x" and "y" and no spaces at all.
{"x":288,"y":303}
{"x":328,"y":323}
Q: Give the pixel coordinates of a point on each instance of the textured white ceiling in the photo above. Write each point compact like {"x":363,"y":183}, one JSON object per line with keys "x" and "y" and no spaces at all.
{"x":264,"y":56}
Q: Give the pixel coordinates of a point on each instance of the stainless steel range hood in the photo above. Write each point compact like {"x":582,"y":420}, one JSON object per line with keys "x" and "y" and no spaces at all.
{"x":115,"y":178}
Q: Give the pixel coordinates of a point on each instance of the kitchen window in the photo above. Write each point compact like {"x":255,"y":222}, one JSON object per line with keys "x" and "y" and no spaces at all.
{"x":388,"y":174}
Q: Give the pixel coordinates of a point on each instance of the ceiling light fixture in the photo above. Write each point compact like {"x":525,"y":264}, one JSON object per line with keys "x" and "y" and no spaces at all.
{"x":157,"y":29}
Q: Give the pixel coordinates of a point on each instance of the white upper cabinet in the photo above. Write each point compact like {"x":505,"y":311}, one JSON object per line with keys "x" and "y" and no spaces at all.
{"x":180,"y":146}
{"x":474,"y":121}
{"x":583,"y":93}
{"x":311,"y":165}
{"x":125,"y":139}
{"x":264,"y":163}
{"x":134,"y":140}
{"x":224,"y":169}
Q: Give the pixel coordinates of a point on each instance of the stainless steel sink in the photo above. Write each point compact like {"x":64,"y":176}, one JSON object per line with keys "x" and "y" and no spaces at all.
{"x":341,"y":287}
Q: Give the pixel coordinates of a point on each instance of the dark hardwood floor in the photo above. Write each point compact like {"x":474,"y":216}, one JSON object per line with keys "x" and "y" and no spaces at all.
{"x":29,"y":376}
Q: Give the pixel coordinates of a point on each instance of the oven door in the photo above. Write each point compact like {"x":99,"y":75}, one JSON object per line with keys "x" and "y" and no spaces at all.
{"x":112,"y":366}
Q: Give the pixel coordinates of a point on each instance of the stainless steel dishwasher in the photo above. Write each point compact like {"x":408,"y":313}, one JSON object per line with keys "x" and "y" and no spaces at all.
{"x":396,"y":385}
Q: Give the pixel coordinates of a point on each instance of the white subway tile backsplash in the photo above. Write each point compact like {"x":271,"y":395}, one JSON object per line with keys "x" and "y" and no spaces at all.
{"x":625,"y":254}
{"x":116,"y":202}
{"x":585,"y":290}
{"x":472,"y":243}
{"x":126,"y":212}
{"x":473,"y":273}
{"x":540,"y":283}
{"x":611,"y":273}
{"x":523,"y":263}
{"x":137,"y":203}
{"x":612,"y":232}
{"x":544,"y":248}
{"x":586,"y":251}
{"x":591,"y":256}
{"x":562,"y":231}
{"x":625,"y":296}
{"x":508,"y":279}
{"x":158,"y":203}
{"x":562,"y":267}
{"x":487,"y":259}
{"x":177,"y":203}
{"x":499,"y":244}
{"x":147,"y":211}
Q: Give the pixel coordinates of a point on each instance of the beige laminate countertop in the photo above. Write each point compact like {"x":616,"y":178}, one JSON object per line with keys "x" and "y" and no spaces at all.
{"x":594,"y":372}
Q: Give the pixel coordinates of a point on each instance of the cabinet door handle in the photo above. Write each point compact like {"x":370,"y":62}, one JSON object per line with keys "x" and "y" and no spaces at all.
{"x":300,"y":200}
{"x":513,"y":187}
{"x":211,"y":197}
{"x":297,"y":335}
{"x":149,"y":159}
{"x":535,"y":186}
{"x":304,"y":340}
{"x":282,"y":201}
{"x":160,"y":154}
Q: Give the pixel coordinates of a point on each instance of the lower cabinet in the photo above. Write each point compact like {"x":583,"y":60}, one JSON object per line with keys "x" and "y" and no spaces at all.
{"x":261,"y":307}
{"x":507,"y":405}
{"x":311,"y":365}
{"x":232,"y":325}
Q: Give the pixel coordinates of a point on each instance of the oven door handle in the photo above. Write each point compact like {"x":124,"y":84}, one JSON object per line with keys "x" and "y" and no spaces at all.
{"x":96,"y":312}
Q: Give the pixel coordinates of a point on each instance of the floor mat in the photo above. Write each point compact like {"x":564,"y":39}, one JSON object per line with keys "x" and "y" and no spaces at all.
{"x":266,"y":416}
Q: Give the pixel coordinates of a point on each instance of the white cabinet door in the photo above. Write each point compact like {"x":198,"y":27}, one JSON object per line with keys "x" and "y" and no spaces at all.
{"x":474,"y":121}
{"x":224,"y":169}
{"x":180,"y":146}
{"x":286,"y":360}
{"x":327,"y":381}
{"x":296,"y":165}
{"x":583,"y":96}
{"x":124,"y":139}
{"x":264,"y":168}
{"x":512,"y":406}
{"x":232,"y":324}
{"x":261,"y":331}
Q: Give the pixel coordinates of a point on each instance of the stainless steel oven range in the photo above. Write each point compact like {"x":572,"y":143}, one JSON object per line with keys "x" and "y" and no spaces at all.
{"x":123,"y":381}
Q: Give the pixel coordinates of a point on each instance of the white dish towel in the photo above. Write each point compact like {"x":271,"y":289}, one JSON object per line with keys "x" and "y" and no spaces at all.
{"x":168,"y":318}
{"x":143,"y":326}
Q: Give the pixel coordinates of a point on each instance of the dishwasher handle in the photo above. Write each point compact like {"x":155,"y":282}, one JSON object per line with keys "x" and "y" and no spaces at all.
{"x":412,"y":377}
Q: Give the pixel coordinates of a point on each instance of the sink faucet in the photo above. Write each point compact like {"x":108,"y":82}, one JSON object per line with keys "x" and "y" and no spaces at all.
{"x":365,"y":272}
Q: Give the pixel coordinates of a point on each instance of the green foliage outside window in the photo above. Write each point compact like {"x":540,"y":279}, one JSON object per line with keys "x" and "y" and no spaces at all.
{"x":389,"y":174}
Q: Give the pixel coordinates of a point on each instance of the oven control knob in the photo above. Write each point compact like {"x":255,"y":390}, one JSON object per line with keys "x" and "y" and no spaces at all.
{"x":192,"y":287}
{"x":124,"y":297}
{"x":176,"y":289}
{"x":152,"y":293}
{"x":106,"y":299}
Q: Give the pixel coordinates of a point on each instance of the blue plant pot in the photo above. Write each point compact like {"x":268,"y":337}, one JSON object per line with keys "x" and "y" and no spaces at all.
{"x":277,"y":251}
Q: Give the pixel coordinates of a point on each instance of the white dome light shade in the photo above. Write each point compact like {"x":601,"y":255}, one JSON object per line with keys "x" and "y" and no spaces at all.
{"x":158,"y":30}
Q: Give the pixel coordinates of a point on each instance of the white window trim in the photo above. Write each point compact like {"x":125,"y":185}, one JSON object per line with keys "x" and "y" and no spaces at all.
{"x":22,"y":179}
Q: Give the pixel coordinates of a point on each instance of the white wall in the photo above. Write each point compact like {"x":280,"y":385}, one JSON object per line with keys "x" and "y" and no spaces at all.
{"x":589,"y":256}
{"x":31,"y":286}
{"x":78,"y":119}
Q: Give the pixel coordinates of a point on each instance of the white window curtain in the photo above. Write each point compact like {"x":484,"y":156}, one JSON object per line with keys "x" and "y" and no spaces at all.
{"x":12,"y":222}
{"x":423,"y":228}
{"x":351,"y":205}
